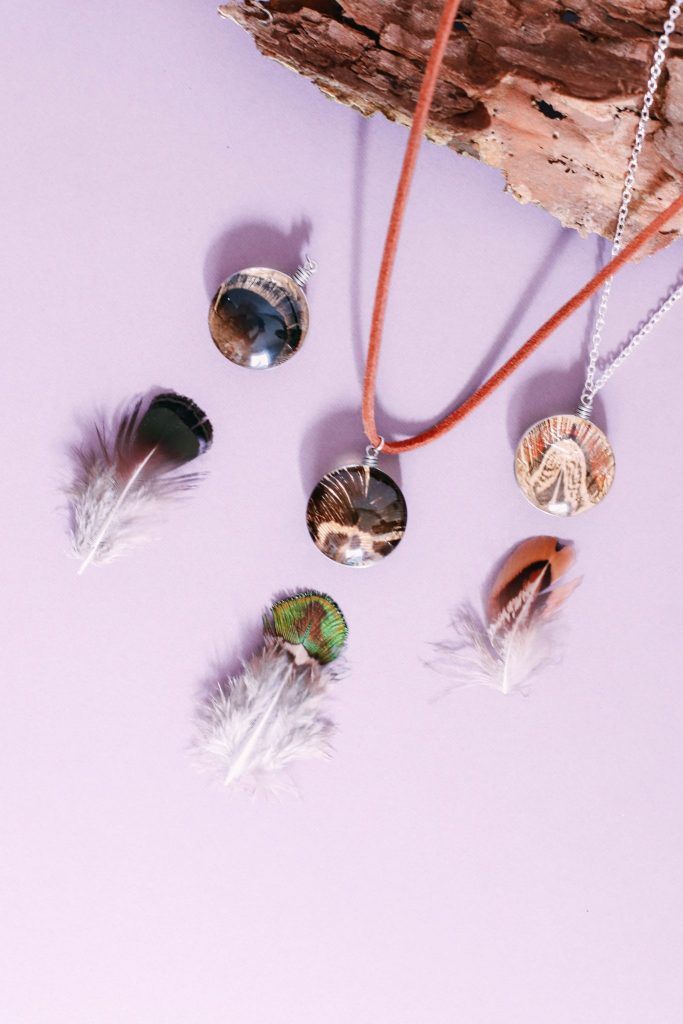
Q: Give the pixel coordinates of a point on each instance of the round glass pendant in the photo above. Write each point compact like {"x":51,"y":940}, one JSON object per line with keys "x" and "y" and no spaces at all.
{"x":259,"y":318}
{"x":356,"y":515}
{"x":564,"y":465}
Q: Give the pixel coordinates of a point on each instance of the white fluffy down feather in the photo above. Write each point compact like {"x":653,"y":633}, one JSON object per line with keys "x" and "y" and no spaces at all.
{"x":114,"y":496}
{"x":97,"y":498}
{"x":517,"y":638}
{"x":480,"y":655}
{"x":256,"y":724}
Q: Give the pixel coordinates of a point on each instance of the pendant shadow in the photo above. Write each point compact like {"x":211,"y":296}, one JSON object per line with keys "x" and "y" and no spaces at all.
{"x":90,"y":426}
{"x":546,"y":394}
{"x":335,"y":440}
{"x":255,"y":244}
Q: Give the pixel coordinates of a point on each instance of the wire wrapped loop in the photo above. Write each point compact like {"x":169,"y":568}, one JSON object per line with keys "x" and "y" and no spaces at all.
{"x":372,"y":453}
{"x":304,"y":272}
{"x":585,"y":409}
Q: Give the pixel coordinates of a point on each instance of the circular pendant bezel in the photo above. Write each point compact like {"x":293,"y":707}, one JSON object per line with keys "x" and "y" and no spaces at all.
{"x":383,"y":478}
{"x":600,"y":487}
{"x":284,"y":281}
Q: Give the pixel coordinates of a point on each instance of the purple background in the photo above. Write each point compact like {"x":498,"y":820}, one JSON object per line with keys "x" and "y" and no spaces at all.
{"x":479,"y":859}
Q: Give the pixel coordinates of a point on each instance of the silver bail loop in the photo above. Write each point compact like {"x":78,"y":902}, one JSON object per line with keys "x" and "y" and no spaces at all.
{"x":305,"y":271}
{"x":372,"y":453}
{"x":585,"y":409}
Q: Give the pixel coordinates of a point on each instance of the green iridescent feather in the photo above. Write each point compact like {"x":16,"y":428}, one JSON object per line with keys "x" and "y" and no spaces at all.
{"x":311,"y":620}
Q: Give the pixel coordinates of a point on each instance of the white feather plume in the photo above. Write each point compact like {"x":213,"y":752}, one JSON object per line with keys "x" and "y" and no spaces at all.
{"x":519,"y":638}
{"x":117,"y":492}
{"x":256,"y":724}
{"x":506,"y":662}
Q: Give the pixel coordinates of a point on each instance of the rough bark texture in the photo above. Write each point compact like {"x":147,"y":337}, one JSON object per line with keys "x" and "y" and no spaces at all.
{"x":548,"y":93}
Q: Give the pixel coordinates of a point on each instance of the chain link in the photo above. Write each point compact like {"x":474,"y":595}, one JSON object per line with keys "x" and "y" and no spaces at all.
{"x":591,"y":386}
{"x":635,"y":341}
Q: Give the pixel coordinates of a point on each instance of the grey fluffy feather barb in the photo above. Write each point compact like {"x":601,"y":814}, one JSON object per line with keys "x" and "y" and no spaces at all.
{"x":517,"y":638}
{"x":124,"y":476}
{"x":255,"y":725}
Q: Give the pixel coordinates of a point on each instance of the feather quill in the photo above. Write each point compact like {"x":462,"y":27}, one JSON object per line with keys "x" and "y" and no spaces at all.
{"x":517,"y":636}
{"x":129,"y":470}
{"x":253,"y":726}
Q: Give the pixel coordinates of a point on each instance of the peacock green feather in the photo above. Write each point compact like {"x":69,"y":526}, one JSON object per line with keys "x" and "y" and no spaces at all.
{"x":311,"y":620}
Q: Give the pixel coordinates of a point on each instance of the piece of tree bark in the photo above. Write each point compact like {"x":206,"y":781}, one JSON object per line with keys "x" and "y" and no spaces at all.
{"x":549,"y":94}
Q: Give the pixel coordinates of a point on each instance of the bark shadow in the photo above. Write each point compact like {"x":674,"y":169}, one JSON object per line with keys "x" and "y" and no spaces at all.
{"x":397,"y":426}
{"x":400,"y":427}
{"x":545,"y":266}
{"x":357,"y":231}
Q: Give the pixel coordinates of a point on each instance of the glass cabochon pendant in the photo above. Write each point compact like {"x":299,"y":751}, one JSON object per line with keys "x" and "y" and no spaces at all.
{"x":564,"y":465}
{"x":357,"y":515}
{"x":259,"y":317}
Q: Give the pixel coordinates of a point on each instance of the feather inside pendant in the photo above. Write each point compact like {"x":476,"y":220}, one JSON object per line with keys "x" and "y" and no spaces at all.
{"x":129,"y":470}
{"x":255,"y":725}
{"x":517,"y":638}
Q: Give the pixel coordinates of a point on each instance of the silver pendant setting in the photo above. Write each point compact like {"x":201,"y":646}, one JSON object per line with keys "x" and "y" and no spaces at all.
{"x":357,"y":514}
{"x":564,"y":465}
{"x":259,"y":317}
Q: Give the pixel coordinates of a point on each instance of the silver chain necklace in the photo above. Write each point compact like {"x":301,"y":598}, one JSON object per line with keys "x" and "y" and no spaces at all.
{"x":564,"y":464}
